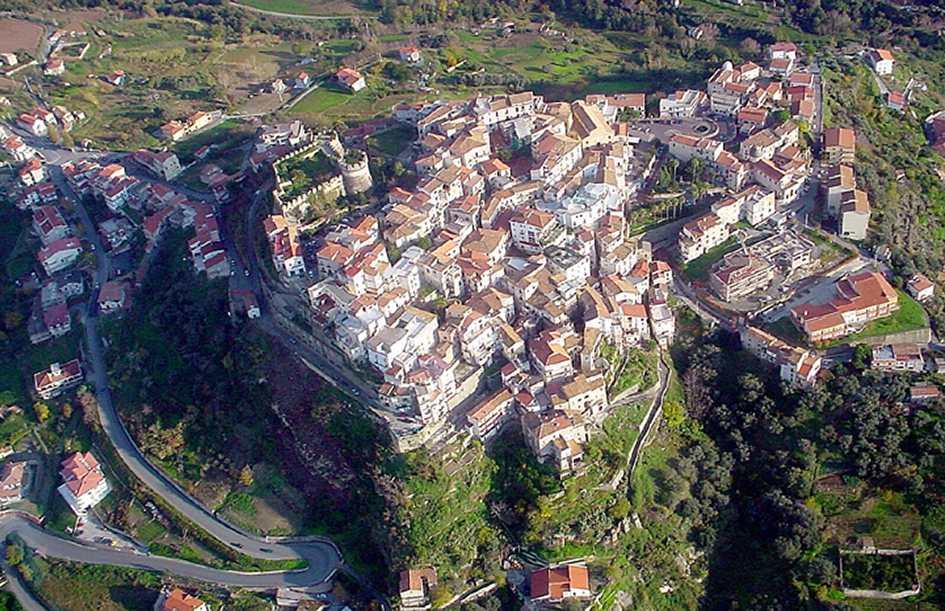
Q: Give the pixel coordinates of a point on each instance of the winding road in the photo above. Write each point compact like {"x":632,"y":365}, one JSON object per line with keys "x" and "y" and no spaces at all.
{"x":321,"y":555}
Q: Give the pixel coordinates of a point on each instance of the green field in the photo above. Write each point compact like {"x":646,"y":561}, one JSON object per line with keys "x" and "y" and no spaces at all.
{"x":307,"y":7}
{"x":321,"y":99}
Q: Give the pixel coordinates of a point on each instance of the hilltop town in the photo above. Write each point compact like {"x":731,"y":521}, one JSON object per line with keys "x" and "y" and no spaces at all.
{"x":465,"y":272}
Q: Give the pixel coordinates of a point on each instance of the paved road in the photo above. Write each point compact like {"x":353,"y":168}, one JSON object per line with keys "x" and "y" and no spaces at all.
{"x":323,"y":556}
{"x":56,"y":546}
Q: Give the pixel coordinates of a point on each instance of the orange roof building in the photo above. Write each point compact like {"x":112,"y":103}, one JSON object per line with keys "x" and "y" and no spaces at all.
{"x":560,"y":582}
{"x":83,"y":485}
{"x":178,"y":600}
{"x":860,"y":299}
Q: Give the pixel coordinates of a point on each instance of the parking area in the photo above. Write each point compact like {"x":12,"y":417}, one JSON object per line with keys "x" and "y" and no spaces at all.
{"x":662,"y":129}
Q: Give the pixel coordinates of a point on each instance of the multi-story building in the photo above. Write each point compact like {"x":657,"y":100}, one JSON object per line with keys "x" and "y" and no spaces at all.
{"x":860,"y":299}
{"x":84,"y":485}
{"x":881,"y":60}
{"x":854,"y":214}
{"x":58,"y":378}
{"x":839,"y":146}
{"x":487,"y":419}
{"x":699,"y":236}
{"x":683,"y":103}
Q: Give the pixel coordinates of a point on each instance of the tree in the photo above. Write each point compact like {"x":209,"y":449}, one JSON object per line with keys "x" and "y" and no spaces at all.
{"x":14,"y":554}
{"x":42,"y":411}
{"x":620,"y":509}
{"x":12,"y":320}
{"x":750,"y":46}
{"x":67,"y":410}
{"x":246,"y":477}
{"x":861,"y":356}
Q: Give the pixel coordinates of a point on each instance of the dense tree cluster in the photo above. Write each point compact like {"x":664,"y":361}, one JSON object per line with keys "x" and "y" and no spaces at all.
{"x":754,"y":491}
{"x":180,"y":362}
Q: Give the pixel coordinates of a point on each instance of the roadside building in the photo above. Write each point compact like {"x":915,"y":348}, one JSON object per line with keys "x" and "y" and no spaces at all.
{"x":839,"y":146}
{"x":880,"y":60}
{"x":415,"y":588}
{"x":854,"y":214}
{"x":860,"y":299}
{"x":59,"y":254}
{"x":898,"y":357}
{"x":13,"y":480}
{"x":84,"y":485}
{"x":178,"y":600}
{"x":53,"y":381}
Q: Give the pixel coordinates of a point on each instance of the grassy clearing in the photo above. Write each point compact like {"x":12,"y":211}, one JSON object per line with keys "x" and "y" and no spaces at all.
{"x":321,"y":99}
{"x":786,"y":330}
{"x":393,"y":141}
{"x":74,"y":586}
{"x":699,"y":268}
{"x":307,"y":7}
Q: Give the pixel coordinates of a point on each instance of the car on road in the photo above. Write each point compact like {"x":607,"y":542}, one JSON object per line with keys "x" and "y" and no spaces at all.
{"x":237,"y":545}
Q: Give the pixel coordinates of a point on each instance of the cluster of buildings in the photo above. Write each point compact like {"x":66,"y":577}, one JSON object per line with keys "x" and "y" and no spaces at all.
{"x":346,"y":78}
{"x":515,"y":254}
{"x":757,"y":266}
{"x":547,"y":586}
{"x":844,"y":202}
{"x":179,"y":129}
{"x":769,"y":177}
{"x":162,"y":205}
{"x":770,"y":169}
{"x":39,"y":121}
{"x":746,"y":94}
{"x":795,"y":365}
{"x":316,"y":174}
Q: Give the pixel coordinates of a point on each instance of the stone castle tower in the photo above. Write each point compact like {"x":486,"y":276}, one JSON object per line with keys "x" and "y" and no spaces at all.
{"x":355,"y":172}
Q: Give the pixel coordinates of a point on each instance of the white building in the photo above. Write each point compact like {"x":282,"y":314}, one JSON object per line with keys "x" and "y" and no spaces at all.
{"x":83,"y":485}
{"x":881,"y":60}
{"x":682,"y":104}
